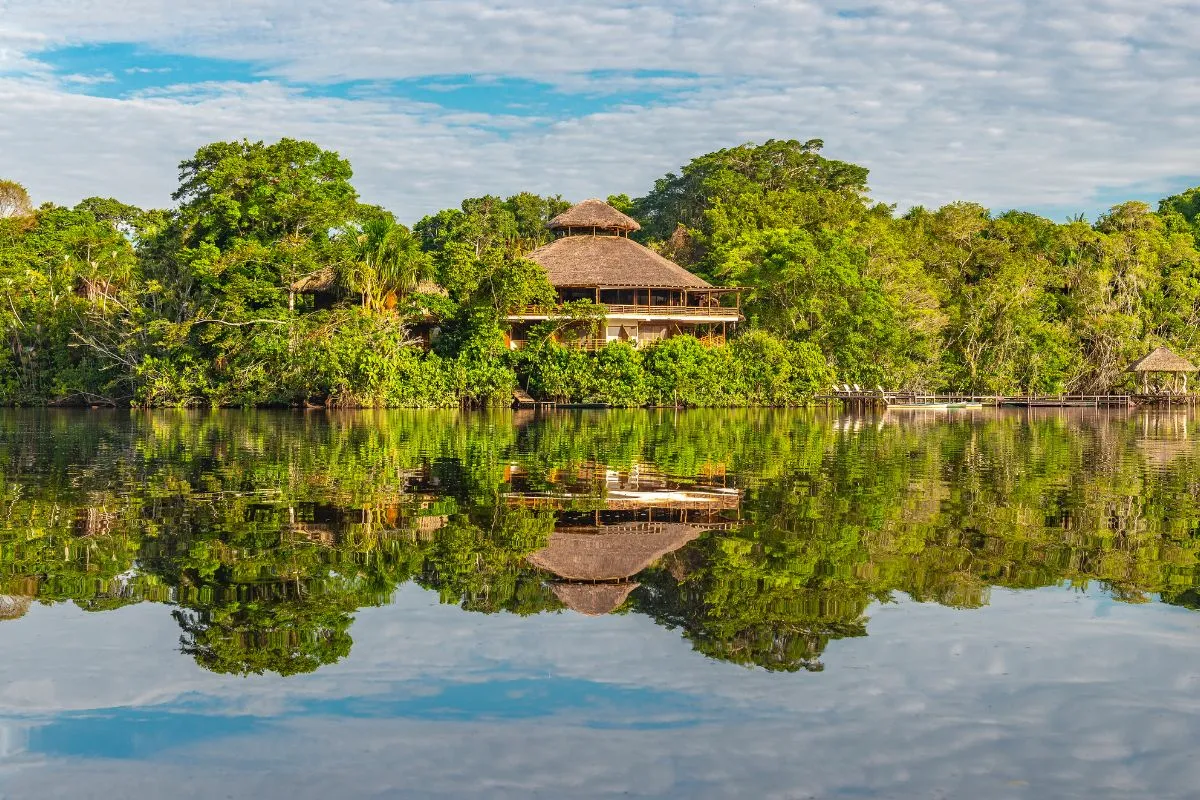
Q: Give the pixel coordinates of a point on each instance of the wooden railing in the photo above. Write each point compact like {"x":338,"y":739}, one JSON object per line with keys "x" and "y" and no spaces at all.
{"x":856,"y":396}
{"x":593,"y":343}
{"x":723,"y":312}
{"x":727,"y":312}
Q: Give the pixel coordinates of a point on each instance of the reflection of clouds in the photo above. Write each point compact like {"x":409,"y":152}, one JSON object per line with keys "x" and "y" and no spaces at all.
{"x":1034,"y":696}
{"x":14,"y":739}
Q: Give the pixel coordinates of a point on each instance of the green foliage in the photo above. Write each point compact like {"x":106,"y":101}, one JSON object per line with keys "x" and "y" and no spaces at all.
{"x":386,"y":264}
{"x":271,"y":284}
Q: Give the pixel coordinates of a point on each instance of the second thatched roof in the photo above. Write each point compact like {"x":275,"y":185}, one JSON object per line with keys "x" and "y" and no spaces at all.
{"x":594,"y":213}
{"x":1163,"y":360}
{"x":322,"y":280}
{"x":325,"y":280}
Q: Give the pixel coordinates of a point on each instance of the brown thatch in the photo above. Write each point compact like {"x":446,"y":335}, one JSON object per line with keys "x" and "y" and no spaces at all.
{"x":611,"y":553}
{"x":13,"y":606}
{"x":593,"y":599}
{"x":322,"y":280}
{"x":595,"y":214}
{"x":611,"y":261}
{"x":1163,"y":360}
{"x":430,"y":287}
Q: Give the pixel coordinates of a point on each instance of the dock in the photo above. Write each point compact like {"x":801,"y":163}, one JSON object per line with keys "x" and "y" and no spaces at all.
{"x":523,"y":399}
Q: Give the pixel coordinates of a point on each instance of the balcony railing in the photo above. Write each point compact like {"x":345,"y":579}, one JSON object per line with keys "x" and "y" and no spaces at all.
{"x":729,"y":313}
{"x":593,"y":343}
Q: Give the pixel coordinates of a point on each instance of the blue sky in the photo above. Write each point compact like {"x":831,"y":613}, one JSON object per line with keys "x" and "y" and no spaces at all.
{"x":1062,"y":109}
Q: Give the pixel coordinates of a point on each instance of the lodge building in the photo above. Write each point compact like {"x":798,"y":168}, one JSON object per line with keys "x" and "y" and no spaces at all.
{"x":644,"y":297}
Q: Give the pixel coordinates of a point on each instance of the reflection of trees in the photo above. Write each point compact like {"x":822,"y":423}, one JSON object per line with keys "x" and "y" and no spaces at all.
{"x":267,"y":532}
{"x":483,"y":568}
{"x":280,"y":629}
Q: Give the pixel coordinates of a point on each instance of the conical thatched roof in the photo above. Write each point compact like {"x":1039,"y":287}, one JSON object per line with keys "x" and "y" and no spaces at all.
{"x":596,"y":214}
{"x":610,"y":261}
{"x":593,"y":599}
{"x":610,"y":553}
{"x":13,"y":606}
{"x":1163,"y":360}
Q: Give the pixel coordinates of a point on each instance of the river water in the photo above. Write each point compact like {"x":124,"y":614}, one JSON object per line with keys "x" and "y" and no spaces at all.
{"x":702,"y":604}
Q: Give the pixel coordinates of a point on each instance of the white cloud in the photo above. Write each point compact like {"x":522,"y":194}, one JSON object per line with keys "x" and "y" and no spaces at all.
{"x":1010,"y":103}
{"x":1049,"y":693}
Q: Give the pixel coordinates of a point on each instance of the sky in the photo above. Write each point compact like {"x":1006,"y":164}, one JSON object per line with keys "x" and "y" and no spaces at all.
{"x":1048,"y":693}
{"x":1061,"y":108}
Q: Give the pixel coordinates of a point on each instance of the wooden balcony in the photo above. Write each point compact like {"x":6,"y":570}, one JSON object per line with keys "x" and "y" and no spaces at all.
{"x":725,"y":313}
{"x":711,"y":313}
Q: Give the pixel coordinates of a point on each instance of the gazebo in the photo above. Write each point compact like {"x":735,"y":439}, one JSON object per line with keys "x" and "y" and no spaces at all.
{"x":1163,"y":362}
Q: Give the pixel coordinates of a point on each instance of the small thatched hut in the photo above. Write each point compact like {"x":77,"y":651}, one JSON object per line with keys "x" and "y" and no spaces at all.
{"x":1164,"y":362}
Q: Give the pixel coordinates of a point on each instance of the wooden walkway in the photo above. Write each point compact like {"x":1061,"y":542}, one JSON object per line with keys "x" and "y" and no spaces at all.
{"x":917,"y":400}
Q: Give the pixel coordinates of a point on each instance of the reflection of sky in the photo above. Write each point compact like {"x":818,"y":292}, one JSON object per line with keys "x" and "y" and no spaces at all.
{"x":1050,"y":693}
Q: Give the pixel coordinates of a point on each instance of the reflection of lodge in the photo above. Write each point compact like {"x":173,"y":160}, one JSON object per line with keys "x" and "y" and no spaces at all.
{"x":634,"y":521}
{"x":601,"y":489}
{"x":328,"y":525}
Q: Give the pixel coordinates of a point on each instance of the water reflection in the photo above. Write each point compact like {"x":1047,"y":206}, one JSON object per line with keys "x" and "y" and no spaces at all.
{"x":760,"y":537}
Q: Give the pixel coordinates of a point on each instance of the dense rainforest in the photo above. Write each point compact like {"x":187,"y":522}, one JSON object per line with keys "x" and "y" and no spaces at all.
{"x":197,"y":305}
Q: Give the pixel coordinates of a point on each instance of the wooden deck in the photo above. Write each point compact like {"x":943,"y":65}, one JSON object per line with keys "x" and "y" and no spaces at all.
{"x":523,"y":399}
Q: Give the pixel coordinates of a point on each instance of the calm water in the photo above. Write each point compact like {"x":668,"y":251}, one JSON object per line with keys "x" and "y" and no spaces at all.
{"x":756,"y":604}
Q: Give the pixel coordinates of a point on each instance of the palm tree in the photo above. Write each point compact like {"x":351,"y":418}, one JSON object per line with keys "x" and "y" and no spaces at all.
{"x":388,"y":263}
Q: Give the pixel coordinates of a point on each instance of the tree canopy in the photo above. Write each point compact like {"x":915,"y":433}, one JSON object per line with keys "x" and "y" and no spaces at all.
{"x":270,"y":283}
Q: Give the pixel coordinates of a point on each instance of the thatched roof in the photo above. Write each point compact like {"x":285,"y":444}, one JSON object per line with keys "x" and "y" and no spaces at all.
{"x":593,"y":599}
{"x":596,"y":214}
{"x":611,"y":261}
{"x":320,"y":281}
{"x":1163,"y":360}
{"x":325,"y":280}
{"x":610,"y":553}
{"x":425,"y":286}
{"x":13,"y":606}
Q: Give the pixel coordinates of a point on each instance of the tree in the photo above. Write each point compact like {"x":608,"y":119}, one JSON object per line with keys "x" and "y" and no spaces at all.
{"x":387,"y":263}
{"x":14,"y":200}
